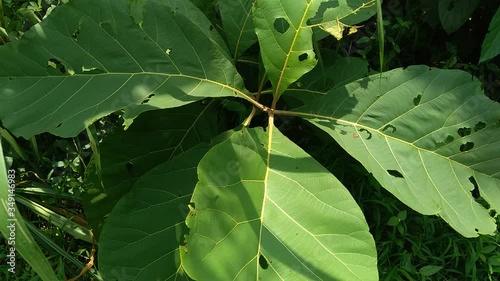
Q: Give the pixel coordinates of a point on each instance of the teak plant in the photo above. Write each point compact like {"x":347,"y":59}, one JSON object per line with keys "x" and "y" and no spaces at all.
{"x":173,"y":197}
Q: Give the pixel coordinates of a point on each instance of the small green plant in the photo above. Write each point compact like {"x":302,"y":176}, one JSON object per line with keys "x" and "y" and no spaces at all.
{"x":185,"y":192}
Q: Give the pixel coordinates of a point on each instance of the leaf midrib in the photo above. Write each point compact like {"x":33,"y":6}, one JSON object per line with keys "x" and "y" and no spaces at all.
{"x":201,"y":80}
{"x":242,"y":30}
{"x":179,"y":145}
{"x":266,"y":186}
{"x":292,"y":45}
{"x":353,"y":124}
{"x":133,"y":74}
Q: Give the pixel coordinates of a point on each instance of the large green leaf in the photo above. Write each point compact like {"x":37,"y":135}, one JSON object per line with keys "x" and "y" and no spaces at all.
{"x":151,"y":218}
{"x":284,"y":30}
{"x":454,"y":13}
{"x":155,"y":137}
{"x":238,"y":24}
{"x":428,"y":136}
{"x":18,"y":237}
{"x":491,"y":44}
{"x":266,"y":210}
{"x":90,"y":58}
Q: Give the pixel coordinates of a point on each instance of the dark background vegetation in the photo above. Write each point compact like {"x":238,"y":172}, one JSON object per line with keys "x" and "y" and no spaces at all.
{"x":410,"y":246}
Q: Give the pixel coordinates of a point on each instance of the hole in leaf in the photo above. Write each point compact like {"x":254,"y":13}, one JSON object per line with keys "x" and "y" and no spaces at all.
{"x":76,"y":33}
{"x":493,"y":213}
{"x":263,"y":262}
{"x":192,"y":209}
{"x":281,"y":25}
{"x":479,"y":126}
{"x":303,"y":57}
{"x":477,"y":195}
{"x":92,"y":70}
{"x":168,"y":51}
{"x":389,"y":127}
{"x":325,"y":5}
{"x":464,"y":131}
{"x":475,"y":191}
{"x":146,"y":100}
{"x":366,"y":133}
{"x":395,"y":174}
{"x":56,"y":64}
{"x":467,"y":146}
{"x":416,"y":100}
{"x":59,"y":125}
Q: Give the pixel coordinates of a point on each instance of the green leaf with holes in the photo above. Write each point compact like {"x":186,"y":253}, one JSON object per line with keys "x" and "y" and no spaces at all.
{"x":151,"y":218}
{"x":264,"y":209}
{"x":238,"y":24}
{"x":454,"y":13}
{"x":284,"y":31}
{"x":491,"y":44}
{"x":429,"y":136}
{"x":155,"y":137}
{"x":90,"y":58}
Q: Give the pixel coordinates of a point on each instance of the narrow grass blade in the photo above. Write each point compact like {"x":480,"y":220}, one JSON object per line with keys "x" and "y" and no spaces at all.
{"x":380,"y":29}
{"x":35,"y":188}
{"x":54,"y":218}
{"x":13,"y":143}
{"x":35,"y":149}
{"x":94,"y":144}
{"x":24,"y":242}
{"x":43,"y":237}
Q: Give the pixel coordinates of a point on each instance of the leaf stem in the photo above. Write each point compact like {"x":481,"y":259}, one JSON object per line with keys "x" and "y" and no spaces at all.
{"x":313,"y":115}
{"x":254,"y":102}
{"x":248,"y":61}
{"x":250,"y":117}
{"x":257,"y":97}
{"x":295,"y":113}
{"x":317,"y":50}
{"x":261,"y":85}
